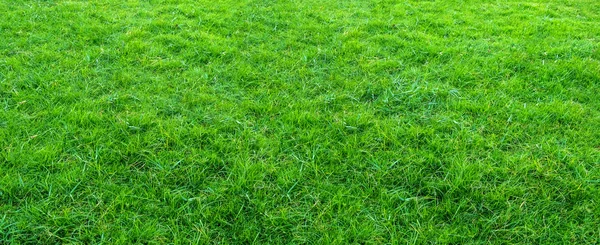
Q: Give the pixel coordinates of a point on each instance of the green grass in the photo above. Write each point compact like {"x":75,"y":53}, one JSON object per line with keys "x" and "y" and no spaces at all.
{"x":300,"y":121}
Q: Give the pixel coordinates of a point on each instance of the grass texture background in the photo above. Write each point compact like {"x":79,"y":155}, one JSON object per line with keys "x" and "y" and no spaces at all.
{"x":300,"y":121}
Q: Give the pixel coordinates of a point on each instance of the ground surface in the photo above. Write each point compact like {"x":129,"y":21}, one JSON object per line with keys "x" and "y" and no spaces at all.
{"x":292,"y":121}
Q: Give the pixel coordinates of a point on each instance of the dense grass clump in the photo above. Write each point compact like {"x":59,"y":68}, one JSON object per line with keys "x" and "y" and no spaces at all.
{"x":299,"y":121}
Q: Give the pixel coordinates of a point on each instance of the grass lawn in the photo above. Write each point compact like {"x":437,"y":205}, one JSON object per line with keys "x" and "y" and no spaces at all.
{"x":299,"y":121}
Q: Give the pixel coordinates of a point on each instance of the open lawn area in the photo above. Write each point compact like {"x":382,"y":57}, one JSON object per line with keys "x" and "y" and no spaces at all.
{"x":299,"y":122}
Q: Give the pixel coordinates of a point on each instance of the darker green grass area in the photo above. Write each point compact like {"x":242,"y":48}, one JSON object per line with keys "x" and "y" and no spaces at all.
{"x":299,"y":122}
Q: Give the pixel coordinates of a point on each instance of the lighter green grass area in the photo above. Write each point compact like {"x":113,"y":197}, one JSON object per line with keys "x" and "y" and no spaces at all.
{"x":299,"y":121}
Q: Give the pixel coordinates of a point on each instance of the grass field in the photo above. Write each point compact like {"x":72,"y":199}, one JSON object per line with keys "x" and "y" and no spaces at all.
{"x":300,"y":121}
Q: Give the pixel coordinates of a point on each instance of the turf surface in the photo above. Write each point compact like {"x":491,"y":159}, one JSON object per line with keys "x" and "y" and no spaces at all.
{"x":300,"y":121}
